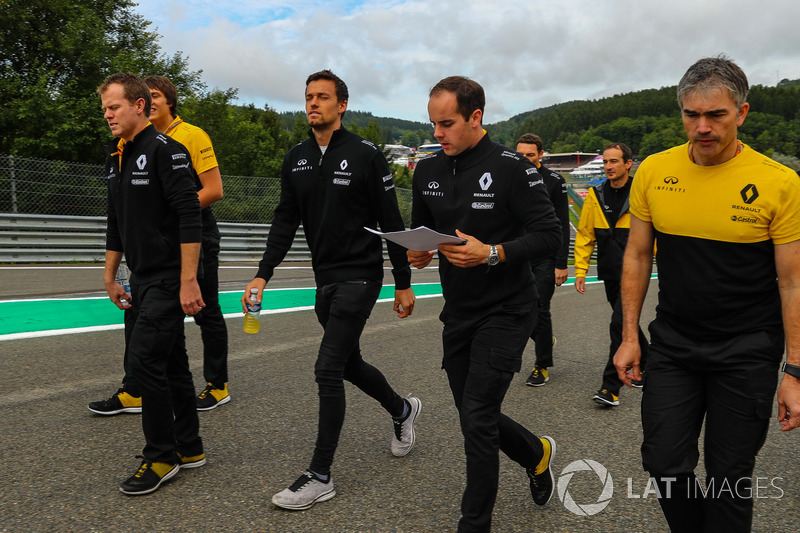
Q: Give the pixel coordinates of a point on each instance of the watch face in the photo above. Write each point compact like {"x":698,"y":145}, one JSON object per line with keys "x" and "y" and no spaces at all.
{"x":493,"y":258}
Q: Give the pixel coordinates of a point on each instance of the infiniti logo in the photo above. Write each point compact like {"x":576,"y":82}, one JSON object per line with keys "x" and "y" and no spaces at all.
{"x":433,"y":185}
{"x":672,"y":180}
{"x":302,"y":162}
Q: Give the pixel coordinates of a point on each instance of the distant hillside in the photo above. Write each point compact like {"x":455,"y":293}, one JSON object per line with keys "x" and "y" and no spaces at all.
{"x":646,"y":120}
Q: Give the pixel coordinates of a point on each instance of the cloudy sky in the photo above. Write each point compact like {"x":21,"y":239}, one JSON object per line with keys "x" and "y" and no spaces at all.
{"x":526,"y":54}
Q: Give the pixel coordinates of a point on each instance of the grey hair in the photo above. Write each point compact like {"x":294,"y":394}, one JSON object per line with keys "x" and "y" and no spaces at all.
{"x":712,"y":72}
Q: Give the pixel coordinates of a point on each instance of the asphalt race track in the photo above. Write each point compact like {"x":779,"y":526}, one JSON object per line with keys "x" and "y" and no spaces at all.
{"x":62,"y":464}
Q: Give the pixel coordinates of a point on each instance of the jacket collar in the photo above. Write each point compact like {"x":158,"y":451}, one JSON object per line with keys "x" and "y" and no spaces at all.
{"x":337,"y":135}
{"x":472,"y":156}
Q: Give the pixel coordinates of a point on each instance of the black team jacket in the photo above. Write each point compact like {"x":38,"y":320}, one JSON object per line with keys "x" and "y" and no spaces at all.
{"x":335,"y":196}
{"x":152,"y":204}
{"x":495,"y":195}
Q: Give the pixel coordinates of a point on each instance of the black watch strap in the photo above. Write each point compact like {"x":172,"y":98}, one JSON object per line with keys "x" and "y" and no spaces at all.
{"x":792,"y":370}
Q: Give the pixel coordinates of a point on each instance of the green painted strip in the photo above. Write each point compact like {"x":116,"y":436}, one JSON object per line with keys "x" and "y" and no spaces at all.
{"x":23,"y":316}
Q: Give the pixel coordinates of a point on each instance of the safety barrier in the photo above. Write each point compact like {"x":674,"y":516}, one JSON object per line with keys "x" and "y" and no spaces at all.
{"x":57,"y":239}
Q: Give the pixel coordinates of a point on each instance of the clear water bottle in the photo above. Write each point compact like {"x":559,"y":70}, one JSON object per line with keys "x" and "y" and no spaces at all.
{"x":251,"y":324}
{"x":123,"y":278}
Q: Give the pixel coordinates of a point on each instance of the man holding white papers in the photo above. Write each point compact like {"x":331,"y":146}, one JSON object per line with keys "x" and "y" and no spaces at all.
{"x":490,"y":196}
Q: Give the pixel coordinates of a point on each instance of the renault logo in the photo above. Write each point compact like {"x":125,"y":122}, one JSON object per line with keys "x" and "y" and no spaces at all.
{"x":485,"y":181}
{"x":749,"y":193}
{"x":141,"y":162}
{"x":343,"y":164}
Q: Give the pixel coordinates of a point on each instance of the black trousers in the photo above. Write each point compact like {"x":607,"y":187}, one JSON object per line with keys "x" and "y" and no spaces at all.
{"x":157,"y":357}
{"x":481,"y":356}
{"x":730,"y":383}
{"x":213,"y":330}
{"x":542,"y":336}
{"x":611,"y":379}
{"x":342,"y":310}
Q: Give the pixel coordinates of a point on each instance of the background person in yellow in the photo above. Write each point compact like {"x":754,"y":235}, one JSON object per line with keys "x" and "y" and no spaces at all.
{"x":728,"y":230}
{"x":163,"y":115}
{"x":605,"y":221}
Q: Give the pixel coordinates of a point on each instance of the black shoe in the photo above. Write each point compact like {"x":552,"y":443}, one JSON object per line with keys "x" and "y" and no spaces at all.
{"x":211,"y":397}
{"x":603,"y":397}
{"x":539,"y":376}
{"x":541,"y":478}
{"x":191,"y":461}
{"x":120,"y":402}
{"x":148,"y":478}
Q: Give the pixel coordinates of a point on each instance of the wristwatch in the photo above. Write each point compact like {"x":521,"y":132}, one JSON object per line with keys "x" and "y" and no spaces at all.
{"x":494,"y":257}
{"x":792,"y":370}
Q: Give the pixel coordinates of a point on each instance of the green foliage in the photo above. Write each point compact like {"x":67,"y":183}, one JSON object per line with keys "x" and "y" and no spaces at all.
{"x":371,"y":132}
{"x":402,"y":176}
{"x":649,"y":121}
{"x":55,"y":54}
{"x":248,"y":141}
{"x":788,"y":160}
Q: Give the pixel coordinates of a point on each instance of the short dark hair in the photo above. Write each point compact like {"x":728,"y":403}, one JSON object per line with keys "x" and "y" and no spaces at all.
{"x":712,"y":72}
{"x":531,"y":138}
{"x":168,"y":89}
{"x":133,"y":87}
{"x":342,"y":94}
{"x":469,"y":94}
{"x":627,"y":153}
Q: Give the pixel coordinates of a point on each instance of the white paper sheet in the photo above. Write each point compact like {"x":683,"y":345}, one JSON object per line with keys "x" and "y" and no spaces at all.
{"x":420,"y":239}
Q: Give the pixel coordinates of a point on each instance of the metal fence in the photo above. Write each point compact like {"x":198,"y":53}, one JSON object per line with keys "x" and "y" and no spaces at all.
{"x":54,"y":211}
{"x":44,"y":187}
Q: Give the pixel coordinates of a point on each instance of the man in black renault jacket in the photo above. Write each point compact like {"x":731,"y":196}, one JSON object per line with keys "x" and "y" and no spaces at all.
{"x":492,"y":197}
{"x":336,"y":183}
{"x":154,"y":220}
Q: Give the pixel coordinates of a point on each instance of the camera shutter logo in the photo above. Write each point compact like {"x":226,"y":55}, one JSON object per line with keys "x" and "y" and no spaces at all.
{"x":586,"y":509}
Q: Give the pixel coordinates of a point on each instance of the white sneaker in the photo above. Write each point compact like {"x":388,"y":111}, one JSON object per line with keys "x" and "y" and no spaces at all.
{"x":304,"y":493}
{"x":403,"y":438}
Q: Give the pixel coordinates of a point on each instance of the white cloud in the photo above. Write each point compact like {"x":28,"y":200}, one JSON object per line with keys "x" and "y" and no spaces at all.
{"x":526,"y":54}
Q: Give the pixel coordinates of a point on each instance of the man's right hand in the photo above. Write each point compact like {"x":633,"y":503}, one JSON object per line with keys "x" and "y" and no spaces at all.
{"x":257,"y":283}
{"x":580,"y":284}
{"x":626,"y":361}
{"x":419,"y":259}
